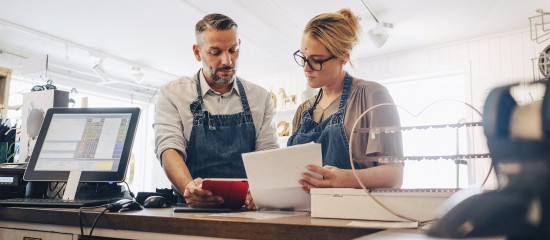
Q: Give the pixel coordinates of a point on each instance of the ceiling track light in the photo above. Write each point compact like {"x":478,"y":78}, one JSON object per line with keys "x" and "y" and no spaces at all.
{"x":378,"y":35}
{"x":98,"y":70}
{"x":137,"y":74}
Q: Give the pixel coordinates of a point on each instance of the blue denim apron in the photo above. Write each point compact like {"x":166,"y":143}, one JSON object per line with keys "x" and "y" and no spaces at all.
{"x":217,"y":141}
{"x":330,"y":133}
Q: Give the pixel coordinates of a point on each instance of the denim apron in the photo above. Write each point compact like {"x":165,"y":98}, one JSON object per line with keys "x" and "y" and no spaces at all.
{"x":217,"y":141}
{"x":330,"y":133}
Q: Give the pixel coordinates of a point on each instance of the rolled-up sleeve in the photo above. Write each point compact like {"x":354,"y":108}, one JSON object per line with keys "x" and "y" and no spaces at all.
{"x":168,"y":124}
{"x":387,"y":144}
{"x":366,"y":95}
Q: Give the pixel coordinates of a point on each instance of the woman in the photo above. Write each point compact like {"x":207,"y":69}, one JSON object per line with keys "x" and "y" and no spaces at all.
{"x":329,"y":117}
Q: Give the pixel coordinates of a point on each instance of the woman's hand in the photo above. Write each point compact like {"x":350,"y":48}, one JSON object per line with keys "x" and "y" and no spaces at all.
{"x":195,"y":196}
{"x":331,"y":177}
{"x":382,"y":176}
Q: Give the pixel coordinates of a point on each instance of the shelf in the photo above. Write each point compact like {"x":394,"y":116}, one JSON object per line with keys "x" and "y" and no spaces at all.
{"x":393,"y":159}
{"x":393,"y":129}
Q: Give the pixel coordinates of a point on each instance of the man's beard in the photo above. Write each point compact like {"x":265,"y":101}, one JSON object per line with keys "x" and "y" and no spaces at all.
{"x":222,"y":80}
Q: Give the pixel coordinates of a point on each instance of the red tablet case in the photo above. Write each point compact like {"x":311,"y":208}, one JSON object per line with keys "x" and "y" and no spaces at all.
{"x":233,"y":191}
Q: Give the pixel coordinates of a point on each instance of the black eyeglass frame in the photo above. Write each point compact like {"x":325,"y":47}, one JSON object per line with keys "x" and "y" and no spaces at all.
{"x":305,"y":60}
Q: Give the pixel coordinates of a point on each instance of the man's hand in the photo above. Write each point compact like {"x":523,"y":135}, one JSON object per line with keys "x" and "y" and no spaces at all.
{"x":195,"y":196}
{"x":249,"y":202}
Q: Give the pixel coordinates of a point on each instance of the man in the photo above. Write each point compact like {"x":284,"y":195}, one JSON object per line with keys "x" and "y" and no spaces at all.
{"x":204,"y":122}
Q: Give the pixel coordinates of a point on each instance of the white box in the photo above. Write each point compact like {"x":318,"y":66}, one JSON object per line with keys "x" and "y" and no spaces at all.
{"x":348,"y":203}
{"x":35,"y":106}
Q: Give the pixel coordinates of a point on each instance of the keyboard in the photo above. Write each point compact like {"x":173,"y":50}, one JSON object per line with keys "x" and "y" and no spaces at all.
{"x":53,"y":203}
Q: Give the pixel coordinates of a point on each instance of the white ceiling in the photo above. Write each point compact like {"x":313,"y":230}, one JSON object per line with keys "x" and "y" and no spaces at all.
{"x":158,"y":35}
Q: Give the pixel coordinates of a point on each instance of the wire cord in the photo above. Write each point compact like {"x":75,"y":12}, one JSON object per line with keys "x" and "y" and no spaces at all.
{"x":80,"y":219}
{"x":395,"y":213}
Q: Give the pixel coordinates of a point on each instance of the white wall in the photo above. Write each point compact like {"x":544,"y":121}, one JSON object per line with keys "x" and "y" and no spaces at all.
{"x":488,"y":62}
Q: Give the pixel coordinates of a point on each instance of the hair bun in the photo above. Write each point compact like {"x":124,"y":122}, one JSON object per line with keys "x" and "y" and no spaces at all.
{"x":352,"y":19}
{"x":346,"y":12}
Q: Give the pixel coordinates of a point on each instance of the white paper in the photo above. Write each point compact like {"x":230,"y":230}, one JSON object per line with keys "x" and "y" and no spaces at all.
{"x":273,"y":176}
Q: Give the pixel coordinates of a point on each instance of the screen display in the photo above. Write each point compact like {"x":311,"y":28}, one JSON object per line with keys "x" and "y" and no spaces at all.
{"x":6,"y":179}
{"x":84,"y":142}
{"x":94,"y":141}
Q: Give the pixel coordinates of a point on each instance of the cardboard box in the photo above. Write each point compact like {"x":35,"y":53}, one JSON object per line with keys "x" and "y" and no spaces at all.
{"x":35,"y":105}
{"x":348,"y":203}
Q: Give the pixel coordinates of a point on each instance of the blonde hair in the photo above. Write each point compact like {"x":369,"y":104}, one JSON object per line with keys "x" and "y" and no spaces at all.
{"x":338,"y":32}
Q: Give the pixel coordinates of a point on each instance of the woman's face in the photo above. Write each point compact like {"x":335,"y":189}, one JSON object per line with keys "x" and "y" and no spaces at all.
{"x":315,"y":53}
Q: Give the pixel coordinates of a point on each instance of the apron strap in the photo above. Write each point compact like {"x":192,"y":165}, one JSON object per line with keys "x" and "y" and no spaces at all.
{"x":346,"y":91}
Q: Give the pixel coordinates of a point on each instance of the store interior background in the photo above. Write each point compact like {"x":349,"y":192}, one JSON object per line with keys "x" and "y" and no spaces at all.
{"x":455,"y":49}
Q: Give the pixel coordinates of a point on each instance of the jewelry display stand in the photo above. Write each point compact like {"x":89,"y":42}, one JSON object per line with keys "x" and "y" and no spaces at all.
{"x":395,"y":204}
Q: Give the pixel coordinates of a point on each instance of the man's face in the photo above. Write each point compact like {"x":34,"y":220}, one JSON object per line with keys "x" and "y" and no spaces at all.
{"x":218,"y":51}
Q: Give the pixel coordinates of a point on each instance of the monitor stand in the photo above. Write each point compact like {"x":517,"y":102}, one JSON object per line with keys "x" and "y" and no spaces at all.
{"x":72,"y":185}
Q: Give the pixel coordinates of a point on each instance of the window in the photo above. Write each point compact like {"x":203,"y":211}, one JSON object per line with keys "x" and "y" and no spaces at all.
{"x":423,"y":94}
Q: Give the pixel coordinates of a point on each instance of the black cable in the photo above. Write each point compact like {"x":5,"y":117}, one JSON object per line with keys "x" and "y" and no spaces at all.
{"x":57,"y":193}
{"x":81,"y":214}
{"x":96,"y":220}
{"x":80,"y":219}
{"x":130,"y":191}
{"x":51,"y":188}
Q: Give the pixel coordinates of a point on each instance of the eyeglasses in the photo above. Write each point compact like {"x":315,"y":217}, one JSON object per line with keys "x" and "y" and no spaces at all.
{"x":314,"y":64}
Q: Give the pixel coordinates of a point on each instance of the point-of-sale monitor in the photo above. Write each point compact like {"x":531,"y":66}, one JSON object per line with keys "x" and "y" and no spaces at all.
{"x":96,"y":142}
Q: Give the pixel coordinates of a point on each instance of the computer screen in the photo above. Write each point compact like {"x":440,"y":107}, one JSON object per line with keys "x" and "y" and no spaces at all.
{"x":95,"y":141}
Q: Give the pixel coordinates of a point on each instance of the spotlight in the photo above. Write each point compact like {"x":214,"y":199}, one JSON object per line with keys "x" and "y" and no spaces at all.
{"x":378,"y":35}
{"x":98,"y":69}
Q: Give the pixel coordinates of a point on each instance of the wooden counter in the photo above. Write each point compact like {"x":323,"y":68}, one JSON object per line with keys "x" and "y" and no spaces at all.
{"x":153,"y":223}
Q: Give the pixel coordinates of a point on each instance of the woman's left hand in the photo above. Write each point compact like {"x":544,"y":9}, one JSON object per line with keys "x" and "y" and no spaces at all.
{"x":332,"y":177}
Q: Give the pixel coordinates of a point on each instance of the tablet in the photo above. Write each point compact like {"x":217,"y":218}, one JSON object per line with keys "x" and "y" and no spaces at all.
{"x":206,"y":210}
{"x":233,"y":191}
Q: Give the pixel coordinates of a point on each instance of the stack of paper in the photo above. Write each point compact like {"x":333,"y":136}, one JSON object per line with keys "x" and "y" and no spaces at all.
{"x":273,"y":176}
